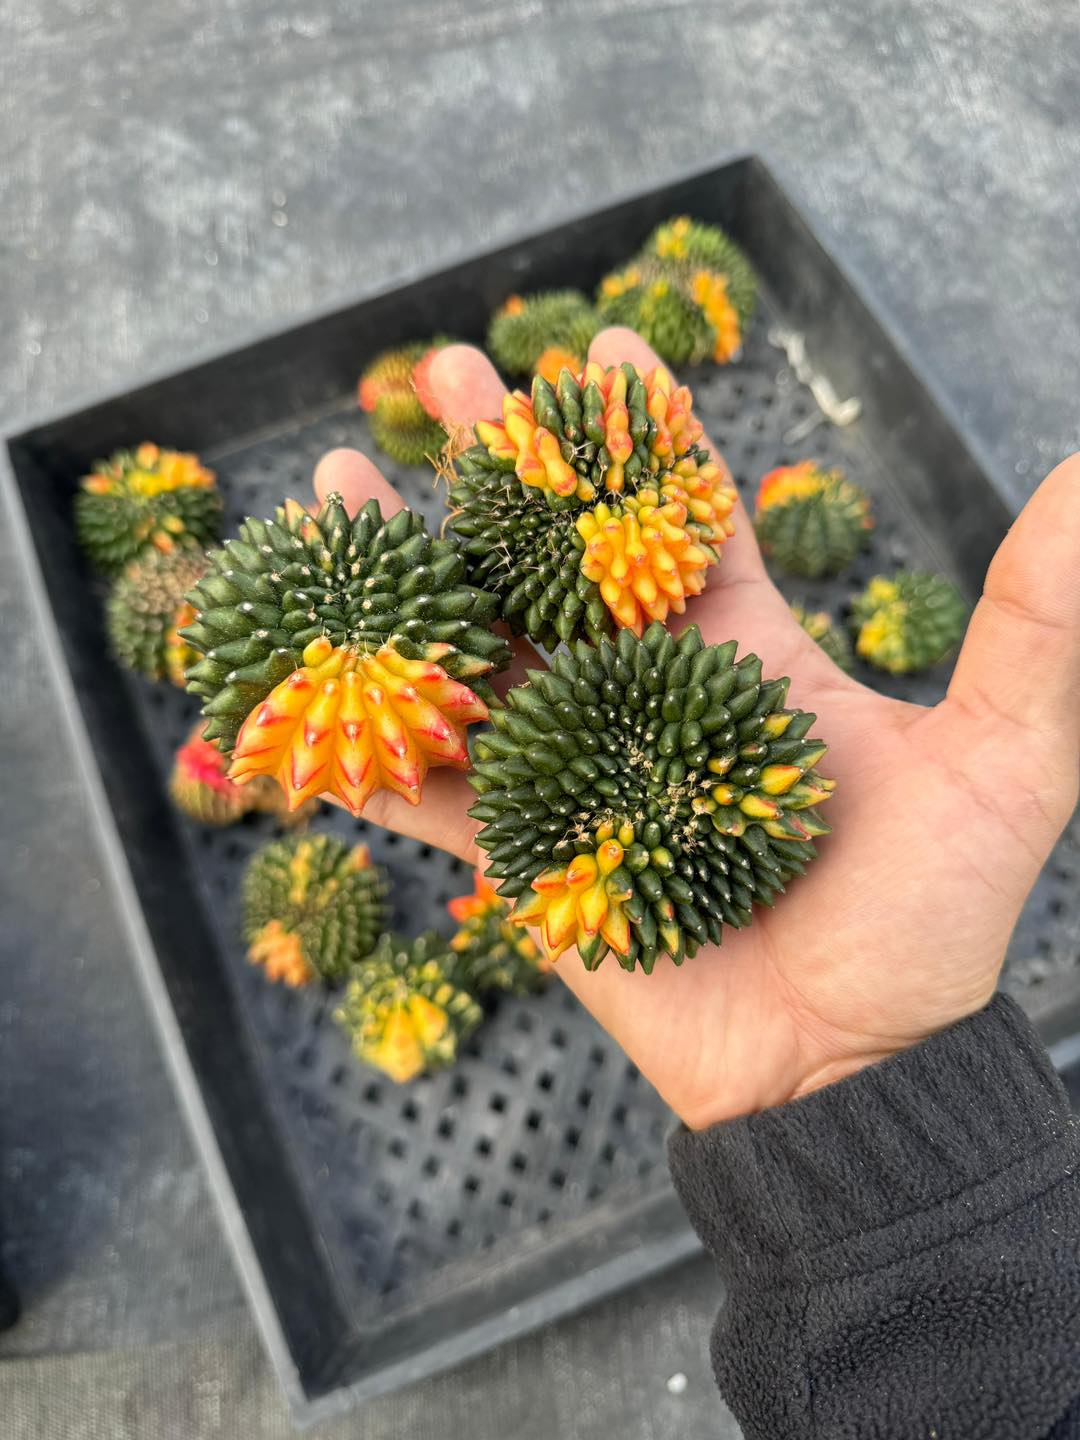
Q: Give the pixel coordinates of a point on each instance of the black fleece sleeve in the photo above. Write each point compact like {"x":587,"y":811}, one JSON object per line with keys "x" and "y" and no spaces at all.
{"x":900,"y":1250}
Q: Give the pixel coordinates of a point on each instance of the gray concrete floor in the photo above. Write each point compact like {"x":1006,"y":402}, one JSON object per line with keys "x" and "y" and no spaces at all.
{"x":175,"y":177}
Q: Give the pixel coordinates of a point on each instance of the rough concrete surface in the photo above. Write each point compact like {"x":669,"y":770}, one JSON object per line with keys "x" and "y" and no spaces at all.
{"x":175,"y":177}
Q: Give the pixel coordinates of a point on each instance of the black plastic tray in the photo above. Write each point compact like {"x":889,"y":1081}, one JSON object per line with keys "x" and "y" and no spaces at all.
{"x":386,"y":1232}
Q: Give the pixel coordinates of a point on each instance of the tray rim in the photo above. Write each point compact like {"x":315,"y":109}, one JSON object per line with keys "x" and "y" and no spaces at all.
{"x":618,"y":1271}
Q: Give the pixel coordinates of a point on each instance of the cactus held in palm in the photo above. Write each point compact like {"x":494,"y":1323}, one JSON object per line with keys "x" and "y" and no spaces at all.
{"x":592,"y":505}
{"x":341,"y":656}
{"x":644,"y":794}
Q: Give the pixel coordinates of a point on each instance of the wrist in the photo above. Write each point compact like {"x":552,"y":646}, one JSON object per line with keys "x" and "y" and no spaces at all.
{"x":977,"y":1104}
{"x":816,"y":1056}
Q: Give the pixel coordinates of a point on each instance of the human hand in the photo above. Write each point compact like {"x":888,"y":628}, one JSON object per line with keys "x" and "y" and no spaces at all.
{"x":943,"y":817}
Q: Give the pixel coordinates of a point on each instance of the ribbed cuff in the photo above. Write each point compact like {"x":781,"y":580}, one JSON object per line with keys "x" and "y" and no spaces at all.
{"x":968,"y":1124}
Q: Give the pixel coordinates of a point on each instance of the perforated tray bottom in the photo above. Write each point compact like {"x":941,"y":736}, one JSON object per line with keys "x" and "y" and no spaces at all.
{"x":416,"y":1189}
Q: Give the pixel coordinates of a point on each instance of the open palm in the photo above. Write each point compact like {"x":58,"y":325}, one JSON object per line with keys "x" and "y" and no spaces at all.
{"x":942,"y":817}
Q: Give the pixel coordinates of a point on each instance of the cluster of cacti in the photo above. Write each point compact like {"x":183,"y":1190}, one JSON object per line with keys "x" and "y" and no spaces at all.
{"x":833,"y":640}
{"x":145,"y":499}
{"x":341,"y":656}
{"x":591,"y":505}
{"x":690,"y":292}
{"x":637,"y":798}
{"x":812,"y":522}
{"x":495,"y":953}
{"x":313,"y":908}
{"x":146,"y":609}
{"x":644,"y":793}
{"x":406,"y":1007}
{"x":543,"y":333}
{"x":908,"y":621}
{"x":394,"y":390}
{"x":201,"y":788}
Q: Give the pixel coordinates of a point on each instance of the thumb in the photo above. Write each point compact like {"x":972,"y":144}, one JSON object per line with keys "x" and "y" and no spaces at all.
{"x":465,"y":386}
{"x":1021,"y":658}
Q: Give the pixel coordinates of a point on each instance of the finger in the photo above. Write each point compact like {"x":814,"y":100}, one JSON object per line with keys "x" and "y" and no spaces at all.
{"x":740,"y":558}
{"x":465,"y":386}
{"x":357,"y":480}
{"x":1021,"y":659}
{"x":439,"y":820}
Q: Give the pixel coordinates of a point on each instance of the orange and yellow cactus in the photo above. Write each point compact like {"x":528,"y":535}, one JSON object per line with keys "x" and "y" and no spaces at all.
{"x":386,"y":664}
{"x":644,"y":557}
{"x":145,"y":499}
{"x":618,"y":513}
{"x":710,"y":291}
{"x":148,"y":471}
{"x":281,"y":954}
{"x":313,"y":907}
{"x":582,"y":904}
{"x":690,"y":292}
{"x":347,"y":724}
{"x":406,"y":1006}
